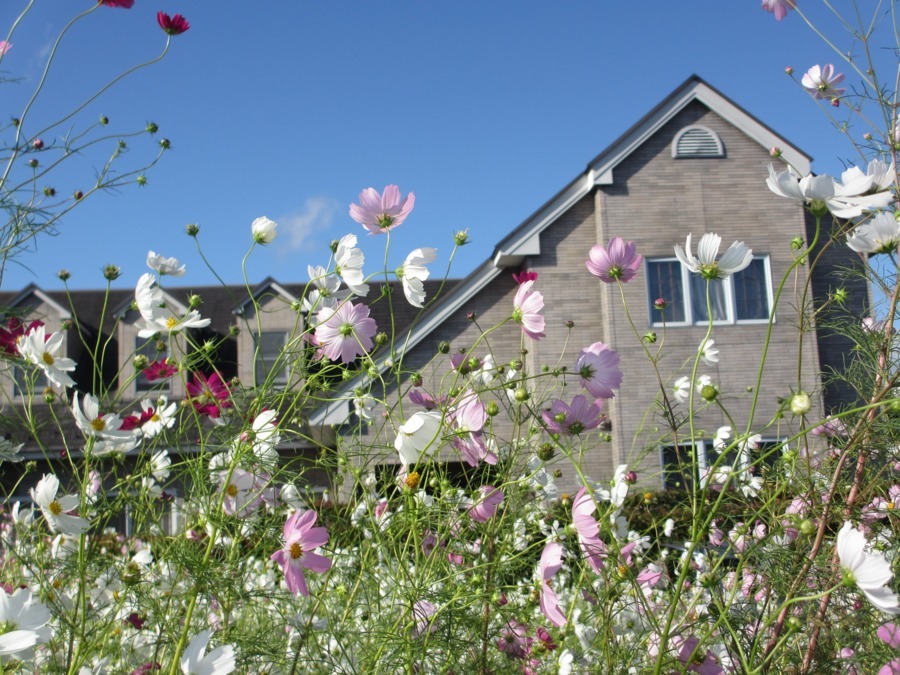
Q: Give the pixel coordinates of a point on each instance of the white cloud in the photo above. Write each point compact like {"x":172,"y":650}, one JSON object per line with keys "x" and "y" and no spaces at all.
{"x":300,"y":227}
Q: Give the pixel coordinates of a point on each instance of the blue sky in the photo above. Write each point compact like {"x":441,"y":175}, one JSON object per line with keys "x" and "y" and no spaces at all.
{"x":289,"y":108}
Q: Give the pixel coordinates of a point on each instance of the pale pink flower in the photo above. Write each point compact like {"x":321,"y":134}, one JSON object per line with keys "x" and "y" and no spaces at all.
{"x":821,"y":81}
{"x":889,"y":634}
{"x":381,"y":212}
{"x":890,"y":668}
{"x":346,"y":332}
{"x":571,"y":420}
{"x":527,"y":306}
{"x":243,"y":492}
{"x":549,"y":565}
{"x":617,"y":262}
{"x":779,"y":7}
{"x":4,"y":47}
{"x":598,"y":367}
{"x":300,"y":540}
{"x":592,"y":546}
{"x":485,"y":509}
{"x":422,"y":613}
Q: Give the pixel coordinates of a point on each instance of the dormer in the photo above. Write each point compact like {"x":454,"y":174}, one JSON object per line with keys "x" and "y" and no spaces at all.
{"x":33,"y":304}
{"x":269,"y":320}
{"x":133,"y":383}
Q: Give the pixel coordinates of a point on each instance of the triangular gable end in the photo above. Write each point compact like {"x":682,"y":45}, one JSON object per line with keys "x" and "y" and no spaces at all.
{"x":267,"y":284}
{"x":32,"y":290}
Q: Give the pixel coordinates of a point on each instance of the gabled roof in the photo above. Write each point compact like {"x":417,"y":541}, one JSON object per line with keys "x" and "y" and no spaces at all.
{"x":267,"y":285}
{"x":524,"y":240}
{"x":32,"y":289}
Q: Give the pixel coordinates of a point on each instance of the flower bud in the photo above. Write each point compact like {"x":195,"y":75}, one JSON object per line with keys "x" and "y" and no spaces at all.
{"x":194,"y":301}
{"x":165,"y":143}
{"x":444,"y":347}
{"x":650,"y":337}
{"x":234,"y":331}
{"x":546,"y":452}
{"x":104,"y":120}
{"x":515,"y":364}
{"x":660,"y":304}
{"x":140,"y":362}
{"x":141,"y":180}
{"x":796,"y":243}
{"x":151,"y":128}
{"x":192,"y":229}
{"x":461,"y":238}
{"x":64,"y":275}
{"x":775,"y":152}
{"x":807,"y":527}
{"x":33,"y":163}
{"x":789,"y":70}
{"x":570,"y":324}
{"x":417,"y":380}
{"x":111,"y":272}
{"x":631,"y":478}
{"x":78,"y":195}
{"x":521,"y":395}
{"x":800,"y":403}
{"x":840,"y":296}
{"x":381,"y":339}
{"x":708,"y":392}
{"x":49,"y":192}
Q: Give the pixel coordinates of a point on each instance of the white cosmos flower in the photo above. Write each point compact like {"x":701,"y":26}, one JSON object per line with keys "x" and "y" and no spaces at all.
{"x":871,"y":572}
{"x":264,"y":230}
{"x":156,"y":316}
{"x":220,"y":661}
{"x":326,"y":293}
{"x":348,"y":262}
{"x":419,"y":434}
{"x":709,"y":352}
{"x":92,"y":423}
{"x":24,"y":621}
{"x":789,"y":184}
{"x":42,"y":351}
{"x":263,"y":437}
{"x":55,"y":509}
{"x":171,"y":266}
{"x":413,"y":272}
{"x":162,"y":417}
{"x":159,"y":465}
{"x":736,"y":258}
{"x":879,"y":234}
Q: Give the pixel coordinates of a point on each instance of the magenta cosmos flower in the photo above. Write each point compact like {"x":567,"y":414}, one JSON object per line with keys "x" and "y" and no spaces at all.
{"x":300,"y":540}
{"x":381,"y":212}
{"x":571,"y":420}
{"x":346,"y":332}
{"x":159,"y":370}
{"x":550,"y":564}
{"x":618,"y":262}
{"x":209,"y":395}
{"x":124,"y":4}
{"x":779,"y":7}
{"x":598,"y":367}
{"x":527,"y":306}
{"x":173,"y":25}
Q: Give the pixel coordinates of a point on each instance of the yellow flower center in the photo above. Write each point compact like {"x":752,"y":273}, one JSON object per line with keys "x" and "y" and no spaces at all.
{"x":171,"y":322}
{"x":154,"y":417}
{"x":412,"y":480}
{"x":231,"y":491}
{"x":890,"y":506}
{"x":47,"y":358}
{"x":55,"y":508}
{"x":98,"y":424}
{"x":296,"y":550}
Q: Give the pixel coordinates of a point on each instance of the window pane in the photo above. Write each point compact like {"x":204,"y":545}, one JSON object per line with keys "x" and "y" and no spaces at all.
{"x":154,"y":350}
{"x":664,"y":281}
{"x":269,"y":348}
{"x":751,"y":296}
{"x":716,"y":299}
{"x":678,"y":472}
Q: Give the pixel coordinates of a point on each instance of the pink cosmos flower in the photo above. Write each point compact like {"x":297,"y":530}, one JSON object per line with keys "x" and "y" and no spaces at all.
{"x":779,"y":7}
{"x":821,"y":81}
{"x":598,"y":367}
{"x":209,"y":396}
{"x":467,"y":419}
{"x":891,"y":668}
{"x":300,"y":540}
{"x":243,"y":492}
{"x":618,"y":262}
{"x":426,"y":400}
{"x":889,"y":634}
{"x":346,"y":332}
{"x":484,"y":510}
{"x":550,"y":564}
{"x":514,"y":640}
{"x":159,"y":370}
{"x":690,"y":657}
{"x":422,"y":613}
{"x":571,"y":420}
{"x":381,"y":212}
{"x":592,"y":546}
{"x":527,"y":306}
{"x":173,"y":25}
{"x":124,"y":4}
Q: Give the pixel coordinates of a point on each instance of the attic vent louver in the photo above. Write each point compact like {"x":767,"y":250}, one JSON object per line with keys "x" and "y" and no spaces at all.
{"x":697,"y":141}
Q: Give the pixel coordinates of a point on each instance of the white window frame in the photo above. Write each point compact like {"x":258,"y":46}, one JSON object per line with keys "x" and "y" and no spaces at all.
{"x":728,"y":287}
{"x":705,"y":448}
